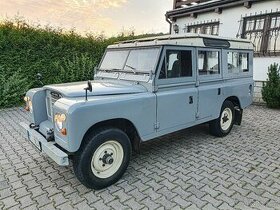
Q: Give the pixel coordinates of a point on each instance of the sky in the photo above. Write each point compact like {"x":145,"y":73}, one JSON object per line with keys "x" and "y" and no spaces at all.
{"x":108,"y":16}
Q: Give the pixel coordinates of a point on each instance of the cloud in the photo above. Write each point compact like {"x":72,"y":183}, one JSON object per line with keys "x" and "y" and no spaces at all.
{"x":81,"y":14}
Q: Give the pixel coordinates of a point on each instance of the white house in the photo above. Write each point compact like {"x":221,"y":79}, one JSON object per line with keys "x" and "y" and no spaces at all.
{"x":257,"y":20}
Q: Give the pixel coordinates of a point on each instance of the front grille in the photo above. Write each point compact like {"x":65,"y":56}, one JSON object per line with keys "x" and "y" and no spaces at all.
{"x":51,"y":98}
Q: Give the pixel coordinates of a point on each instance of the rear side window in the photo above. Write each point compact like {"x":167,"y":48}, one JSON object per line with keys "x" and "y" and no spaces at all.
{"x":208,"y":62}
{"x":177,"y":63}
{"x":238,"y":62}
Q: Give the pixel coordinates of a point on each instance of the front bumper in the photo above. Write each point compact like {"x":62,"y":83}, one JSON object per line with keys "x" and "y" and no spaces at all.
{"x":60,"y":157}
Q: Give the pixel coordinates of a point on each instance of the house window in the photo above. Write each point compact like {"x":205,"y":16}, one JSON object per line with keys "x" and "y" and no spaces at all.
{"x":208,"y":62}
{"x":264,"y":32}
{"x":207,"y":28}
{"x":178,"y":64}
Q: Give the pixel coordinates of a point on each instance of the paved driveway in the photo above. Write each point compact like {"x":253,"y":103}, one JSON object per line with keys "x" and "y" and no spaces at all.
{"x":186,"y":170}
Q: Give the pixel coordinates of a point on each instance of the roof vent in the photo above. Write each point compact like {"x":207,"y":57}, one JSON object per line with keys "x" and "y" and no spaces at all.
{"x":208,"y":42}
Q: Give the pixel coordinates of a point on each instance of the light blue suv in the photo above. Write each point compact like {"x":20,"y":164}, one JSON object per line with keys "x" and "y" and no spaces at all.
{"x":142,"y":89}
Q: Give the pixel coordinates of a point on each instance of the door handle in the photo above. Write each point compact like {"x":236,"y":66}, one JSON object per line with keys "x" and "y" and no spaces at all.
{"x":190,"y":100}
{"x":219,"y":91}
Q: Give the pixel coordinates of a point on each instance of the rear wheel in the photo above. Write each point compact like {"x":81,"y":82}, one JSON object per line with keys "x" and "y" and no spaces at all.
{"x":222,"y":126}
{"x":103,"y":159}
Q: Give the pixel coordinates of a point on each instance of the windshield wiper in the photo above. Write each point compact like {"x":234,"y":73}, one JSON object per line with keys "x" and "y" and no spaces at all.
{"x":108,"y":70}
{"x":132,"y":68}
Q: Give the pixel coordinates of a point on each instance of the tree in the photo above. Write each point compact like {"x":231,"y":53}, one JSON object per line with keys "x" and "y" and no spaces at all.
{"x":271,"y":89}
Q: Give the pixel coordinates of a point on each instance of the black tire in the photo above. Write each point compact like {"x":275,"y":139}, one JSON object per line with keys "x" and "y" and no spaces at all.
{"x":82,"y":161}
{"x":215,"y":126}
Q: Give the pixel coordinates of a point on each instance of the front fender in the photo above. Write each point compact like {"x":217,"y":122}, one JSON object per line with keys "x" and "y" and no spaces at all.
{"x":140,"y":109}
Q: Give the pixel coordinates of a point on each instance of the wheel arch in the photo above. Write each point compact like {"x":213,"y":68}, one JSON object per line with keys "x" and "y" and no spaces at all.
{"x":123,"y":124}
{"x":235,"y":100}
{"x":238,"y":109}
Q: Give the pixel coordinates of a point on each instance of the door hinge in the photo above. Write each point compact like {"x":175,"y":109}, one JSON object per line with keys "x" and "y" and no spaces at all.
{"x":197,"y":115}
{"x":157,"y":125}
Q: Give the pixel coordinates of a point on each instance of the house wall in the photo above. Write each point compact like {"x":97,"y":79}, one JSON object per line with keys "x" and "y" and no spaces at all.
{"x":229,"y":27}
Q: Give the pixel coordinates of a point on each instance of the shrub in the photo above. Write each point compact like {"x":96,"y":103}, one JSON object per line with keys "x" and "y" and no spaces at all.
{"x":271,"y":89}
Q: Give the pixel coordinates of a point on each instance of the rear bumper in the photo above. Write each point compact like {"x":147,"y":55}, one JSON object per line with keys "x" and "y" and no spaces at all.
{"x":59,"y":156}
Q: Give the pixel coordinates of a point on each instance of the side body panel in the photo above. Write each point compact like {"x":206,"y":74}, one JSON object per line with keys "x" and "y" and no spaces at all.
{"x":210,"y":99}
{"x":176,"y":107}
{"x":139,"y":109}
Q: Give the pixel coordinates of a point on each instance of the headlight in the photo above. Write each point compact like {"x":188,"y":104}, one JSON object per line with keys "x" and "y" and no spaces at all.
{"x":28,"y":104}
{"x":26,"y":98}
{"x":60,"y":120}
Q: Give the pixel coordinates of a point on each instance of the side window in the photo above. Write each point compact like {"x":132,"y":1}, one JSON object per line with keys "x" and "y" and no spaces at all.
{"x":238,"y":62}
{"x":177,"y":63}
{"x":208,"y":62}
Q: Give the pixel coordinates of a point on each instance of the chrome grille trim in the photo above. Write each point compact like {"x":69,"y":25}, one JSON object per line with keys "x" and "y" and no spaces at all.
{"x":51,"y":98}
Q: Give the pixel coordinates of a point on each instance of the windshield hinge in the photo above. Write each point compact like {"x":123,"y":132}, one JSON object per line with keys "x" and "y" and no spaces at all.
{"x":157,"y":125}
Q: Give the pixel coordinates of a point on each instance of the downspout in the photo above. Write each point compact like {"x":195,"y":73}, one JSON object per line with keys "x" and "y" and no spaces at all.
{"x":170,"y":23}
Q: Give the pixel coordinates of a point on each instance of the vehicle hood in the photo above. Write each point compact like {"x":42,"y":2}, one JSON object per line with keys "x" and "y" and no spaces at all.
{"x":76,"y":89}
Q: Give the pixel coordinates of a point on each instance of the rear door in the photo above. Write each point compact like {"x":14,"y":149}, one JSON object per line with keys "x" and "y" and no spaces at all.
{"x":176,"y":95}
{"x":209,"y":83}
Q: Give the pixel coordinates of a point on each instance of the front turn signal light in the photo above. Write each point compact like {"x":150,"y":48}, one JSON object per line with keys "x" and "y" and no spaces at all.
{"x":63,"y":131}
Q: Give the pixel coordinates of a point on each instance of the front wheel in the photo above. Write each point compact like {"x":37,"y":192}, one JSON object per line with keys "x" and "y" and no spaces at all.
{"x":103,"y":159}
{"x":223,"y":125}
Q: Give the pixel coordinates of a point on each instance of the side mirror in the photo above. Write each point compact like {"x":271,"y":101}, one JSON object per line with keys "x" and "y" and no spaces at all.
{"x":88,"y":88}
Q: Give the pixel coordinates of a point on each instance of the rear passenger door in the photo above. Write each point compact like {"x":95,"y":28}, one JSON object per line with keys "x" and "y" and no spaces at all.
{"x":176,"y":92}
{"x":209,"y":83}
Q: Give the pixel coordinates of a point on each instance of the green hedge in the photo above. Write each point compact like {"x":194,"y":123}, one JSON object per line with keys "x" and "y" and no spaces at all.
{"x":60,"y":57}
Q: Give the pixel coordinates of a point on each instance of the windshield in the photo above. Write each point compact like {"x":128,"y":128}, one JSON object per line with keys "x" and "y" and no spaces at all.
{"x":134,"y":60}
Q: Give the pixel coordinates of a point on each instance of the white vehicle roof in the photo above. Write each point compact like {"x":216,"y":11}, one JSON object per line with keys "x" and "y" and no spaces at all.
{"x":188,"y":39}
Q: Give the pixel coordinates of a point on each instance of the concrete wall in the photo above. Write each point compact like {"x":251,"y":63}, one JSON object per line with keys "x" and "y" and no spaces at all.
{"x":258,"y":92}
{"x":229,"y":26}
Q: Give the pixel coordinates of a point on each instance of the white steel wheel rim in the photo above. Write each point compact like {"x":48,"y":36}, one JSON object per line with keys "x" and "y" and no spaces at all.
{"x":226,"y":119}
{"x":102,"y":165}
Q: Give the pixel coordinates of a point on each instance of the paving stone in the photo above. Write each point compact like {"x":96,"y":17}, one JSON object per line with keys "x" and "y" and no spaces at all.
{"x":100,"y":205}
{"x":43,"y":200}
{"x":133,"y":204}
{"x":65,"y":206}
{"x":25,"y":201}
{"x":181,"y":202}
{"x":83,"y":205}
{"x":9,"y":202}
{"x":150,"y":204}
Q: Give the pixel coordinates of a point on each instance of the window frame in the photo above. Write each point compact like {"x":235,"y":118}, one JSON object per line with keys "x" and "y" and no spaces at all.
{"x":203,"y":27}
{"x":213,"y":76}
{"x":263,"y":50}
{"x":227,"y":74}
{"x":176,"y":80}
